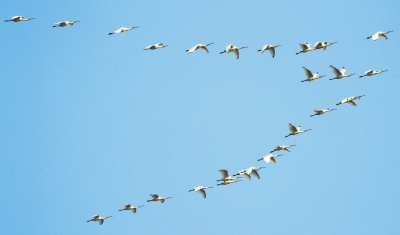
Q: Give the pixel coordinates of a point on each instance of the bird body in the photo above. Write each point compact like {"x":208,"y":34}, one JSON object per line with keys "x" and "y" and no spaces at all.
{"x":311,"y":77}
{"x":379,"y":34}
{"x":305,"y":48}
{"x":321,"y":111}
{"x":270,"y":158}
{"x":99,"y":219}
{"x":322,"y":45}
{"x":201,"y":190}
{"x":129,"y":207}
{"x":350,"y":100}
{"x":155,"y":46}
{"x":295,"y":130}
{"x":231,"y":48}
{"x":372,"y":73}
{"x":199,"y":46}
{"x":65,"y":23}
{"x":340,"y":73}
{"x":123,"y":29}
{"x":270,"y":48}
{"x":282,"y":148}
{"x":158,"y":198}
{"x":18,"y":19}
{"x":226,"y":178}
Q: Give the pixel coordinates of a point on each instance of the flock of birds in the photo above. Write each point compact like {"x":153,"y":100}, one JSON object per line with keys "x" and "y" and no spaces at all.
{"x":226,"y":178}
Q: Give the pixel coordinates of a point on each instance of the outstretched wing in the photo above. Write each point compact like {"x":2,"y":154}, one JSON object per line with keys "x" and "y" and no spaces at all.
{"x":292,"y":128}
{"x":224,"y":173}
{"x":335,"y":71}
{"x":272,"y":51}
{"x":308,"y":72}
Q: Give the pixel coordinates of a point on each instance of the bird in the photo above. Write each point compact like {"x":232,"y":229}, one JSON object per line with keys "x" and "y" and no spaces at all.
{"x":65,"y":23}
{"x":227,"y":179}
{"x":250,"y":171}
{"x":99,"y":219}
{"x":155,"y":46}
{"x":305,"y":48}
{"x":311,"y":77}
{"x":270,"y":48}
{"x":234,"y":49}
{"x":379,"y":34}
{"x":129,"y":207}
{"x":158,"y":198}
{"x":322,"y":45}
{"x":270,"y":158}
{"x":199,"y":46}
{"x":339,"y":73}
{"x":295,"y":130}
{"x":322,"y":111}
{"x":350,"y":100}
{"x":372,"y":73}
{"x":123,"y":29}
{"x":201,"y":190}
{"x":18,"y":19}
{"x":283,"y":148}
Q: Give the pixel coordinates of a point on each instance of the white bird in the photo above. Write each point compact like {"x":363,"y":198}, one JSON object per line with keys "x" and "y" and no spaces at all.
{"x":99,"y":219}
{"x":339,"y":73}
{"x":350,"y":100}
{"x":305,"y":48}
{"x":201,"y":190}
{"x":270,"y":158}
{"x":226,"y":178}
{"x":282,"y":148}
{"x":311,"y":77}
{"x":65,"y":23}
{"x":270,"y":48}
{"x":295,"y":130}
{"x":322,"y":45}
{"x":372,"y":73}
{"x":199,"y":46}
{"x":158,"y":198}
{"x":129,"y":207}
{"x":18,"y":19}
{"x":250,"y":171}
{"x":234,"y":49}
{"x":123,"y":29}
{"x":379,"y":34}
{"x":321,"y":111}
{"x":155,"y":46}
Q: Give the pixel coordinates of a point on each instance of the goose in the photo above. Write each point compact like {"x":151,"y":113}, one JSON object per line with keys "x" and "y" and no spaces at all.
{"x":129,"y":207}
{"x":158,"y":198}
{"x":18,"y":19}
{"x":379,"y":34}
{"x":322,"y":45}
{"x":350,"y":100}
{"x":372,"y":73}
{"x":99,"y":219}
{"x":270,"y":48}
{"x":311,"y":77}
{"x":282,"y":148}
{"x":234,"y":49}
{"x":199,"y":46}
{"x":227,"y":179}
{"x":123,"y":29}
{"x":270,"y":158}
{"x":201,"y":190}
{"x":155,"y":46}
{"x":250,"y":171}
{"x":295,"y":130}
{"x":322,"y":111}
{"x":339,"y":73}
{"x":305,"y":48}
{"x":65,"y":23}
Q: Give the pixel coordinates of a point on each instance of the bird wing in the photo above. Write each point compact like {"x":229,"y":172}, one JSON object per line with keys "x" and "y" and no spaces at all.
{"x":203,"y":48}
{"x":383,"y":36}
{"x":224,"y":173}
{"x":352,"y":103}
{"x":272,"y":51}
{"x":133,"y":210}
{"x":343,"y":70}
{"x":318,"y":45}
{"x":101,"y":221}
{"x":292,"y":128}
{"x":273,"y":160}
{"x":236,"y":51}
{"x":154,"y":196}
{"x":202,"y":192}
{"x":303,"y":46}
{"x":335,"y":71}
{"x":247,"y":175}
{"x":192,"y":49}
{"x":255,"y":173}
{"x":308,"y":72}
{"x":228,"y":47}
{"x":375,"y":36}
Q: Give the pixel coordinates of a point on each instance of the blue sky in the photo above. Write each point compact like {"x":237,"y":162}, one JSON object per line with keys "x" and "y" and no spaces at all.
{"x":90,"y":122}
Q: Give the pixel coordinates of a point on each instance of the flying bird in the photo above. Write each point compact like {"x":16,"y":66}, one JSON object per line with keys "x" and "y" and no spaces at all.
{"x":270,"y":48}
{"x":123,"y":29}
{"x":234,"y":49}
{"x":372,"y":73}
{"x":65,"y":23}
{"x":226,"y":178}
{"x":18,"y":19}
{"x":350,"y":100}
{"x":305,"y":48}
{"x":282,"y":148}
{"x":199,"y":46}
{"x":129,"y":207}
{"x":250,"y":171}
{"x":201,"y":190}
{"x":158,"y":198}
{"x":339,"y":73}
{"x":295,"y":130}
{"x":323,"y":45}
{"x":99,"y":219}
{"x":155,"y":46}
{"x":321,"y":111}
{"x":379,"y":34}
{"x":311,"y":77}
{"x":270,"y":158}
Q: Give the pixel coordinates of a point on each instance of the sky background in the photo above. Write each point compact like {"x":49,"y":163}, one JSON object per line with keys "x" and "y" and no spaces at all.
{"x":90,"y":122}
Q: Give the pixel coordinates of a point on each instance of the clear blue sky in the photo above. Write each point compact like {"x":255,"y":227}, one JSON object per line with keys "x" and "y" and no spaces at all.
{"x":90,"y":122}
